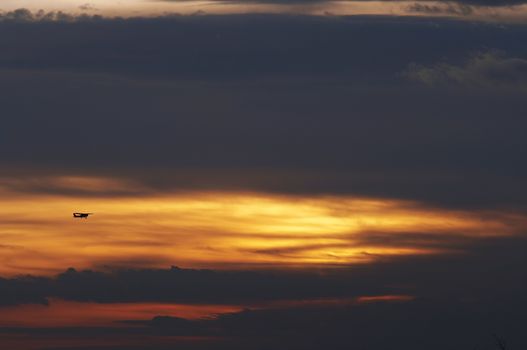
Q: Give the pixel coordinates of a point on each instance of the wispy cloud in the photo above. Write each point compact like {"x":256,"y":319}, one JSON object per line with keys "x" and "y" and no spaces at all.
{"x":490,"y":69}
{"x":452,"y":8}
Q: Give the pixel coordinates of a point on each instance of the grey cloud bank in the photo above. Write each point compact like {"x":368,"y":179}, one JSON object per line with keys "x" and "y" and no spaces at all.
{"x":277,"y":103}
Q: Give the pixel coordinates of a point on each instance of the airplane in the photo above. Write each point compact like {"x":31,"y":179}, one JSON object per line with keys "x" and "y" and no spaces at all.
{"x":81,"y":215}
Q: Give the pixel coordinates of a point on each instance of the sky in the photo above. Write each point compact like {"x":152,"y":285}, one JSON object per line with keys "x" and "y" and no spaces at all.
{"x":289,"y":174}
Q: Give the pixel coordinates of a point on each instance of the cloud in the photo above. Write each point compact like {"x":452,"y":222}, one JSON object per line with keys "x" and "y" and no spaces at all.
{"x":449,"y":9}
{"x":341,"y":327}
{"x":433,"y":3}
{"x":320,"y":111}
{"x":488,"y":70}
{"x":412,"y":325}
{"x":412,"y":242}
{"x":467,"y":296}
{"x":491,"y":3}
{"x":22,"y":291}
{"x":176,"y":285}
{"x":88,"y":7}
{"x":23,"y":15}
{"x":232,"y":54}
{"x":73,"y":185}
{"x":280,"y":104}
{"x":487,"y":268}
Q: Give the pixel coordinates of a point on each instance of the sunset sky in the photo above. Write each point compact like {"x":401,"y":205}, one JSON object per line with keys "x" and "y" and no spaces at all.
{"x":263,"y":174}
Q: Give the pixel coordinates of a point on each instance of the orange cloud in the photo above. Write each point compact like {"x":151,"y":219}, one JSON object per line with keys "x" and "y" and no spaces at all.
{"x":213,"y":229}
{"x":60,"y":313}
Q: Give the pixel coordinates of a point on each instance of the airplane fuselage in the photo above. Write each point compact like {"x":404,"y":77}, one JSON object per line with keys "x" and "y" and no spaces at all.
{"x":81,"y":215}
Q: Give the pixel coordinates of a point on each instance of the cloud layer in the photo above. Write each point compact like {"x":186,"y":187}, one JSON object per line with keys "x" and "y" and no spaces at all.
{"x":294,"y":104}
{"x":468,"y":296}
{"x":489,"y":269}
{"x":117,"y":111}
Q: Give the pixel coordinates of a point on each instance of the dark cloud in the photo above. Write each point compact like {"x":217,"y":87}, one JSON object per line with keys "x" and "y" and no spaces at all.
{"x":489,"y":69}
{"x":439,"y":9}
{"x":433,"y":323}
{"x":21,"y":291}
{"x":294,"y":104}
{"x":401,"y":324}
{"x":208,"y":47}
{"x":23,"y":15}
{"x":195,"y":286}
{"x":267,"y":135}
{"x":450,"y":4}
{"x":487,"y":3}
{"x":43,"y":184}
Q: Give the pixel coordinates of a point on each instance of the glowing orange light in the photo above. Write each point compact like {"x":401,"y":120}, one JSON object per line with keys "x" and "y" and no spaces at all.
{"x":216,"y":229}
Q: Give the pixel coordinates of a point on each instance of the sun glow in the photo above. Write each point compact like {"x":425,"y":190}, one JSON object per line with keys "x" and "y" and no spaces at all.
{"x":213,"y":229}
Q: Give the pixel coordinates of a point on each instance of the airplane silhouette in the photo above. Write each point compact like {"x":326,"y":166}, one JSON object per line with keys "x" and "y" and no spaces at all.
{"x":81,"y":215}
